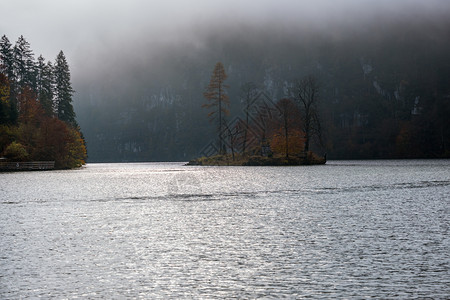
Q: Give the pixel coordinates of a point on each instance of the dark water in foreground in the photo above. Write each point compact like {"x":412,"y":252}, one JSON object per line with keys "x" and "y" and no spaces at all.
{"x":349,"y":229}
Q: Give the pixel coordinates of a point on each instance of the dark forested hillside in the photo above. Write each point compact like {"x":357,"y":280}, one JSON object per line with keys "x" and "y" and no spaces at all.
{"x":384,"y":89}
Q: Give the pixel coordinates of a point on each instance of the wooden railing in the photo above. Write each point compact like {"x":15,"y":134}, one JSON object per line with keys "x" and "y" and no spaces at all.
{"x":27,"y":166}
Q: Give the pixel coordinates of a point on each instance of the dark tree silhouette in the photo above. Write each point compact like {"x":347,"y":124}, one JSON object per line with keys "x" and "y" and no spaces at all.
{"x":308,"y":98}
{"x":23,"y":65}
{"x":63,"y":91}
{"x":287,"y":127}
{"x":6,"y":58}
{"x":218,"y":100}
{"x":249,"y":94}
{"x":45,"y":84}
{"x":7,"y":69}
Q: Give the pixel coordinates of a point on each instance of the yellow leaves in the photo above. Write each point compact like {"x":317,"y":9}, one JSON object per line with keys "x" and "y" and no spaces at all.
{"x":218,"y":100}
{"x":4,"y":89}
{"x":211,"y":114}
{"x":215,"y":91}
{"x":16,"y":151}
{"x":294,"y":142}
{"x":77,"y":149}
{"x":219,"y":74}
{"x":30,"y":109}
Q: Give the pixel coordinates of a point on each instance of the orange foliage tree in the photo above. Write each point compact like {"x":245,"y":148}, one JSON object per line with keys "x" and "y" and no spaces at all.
{"x":61,"y":143}
{"x":286,"y":136}
{"x":292,"y":144}
{"x":47,"y":138}
{"x":218,"y":101}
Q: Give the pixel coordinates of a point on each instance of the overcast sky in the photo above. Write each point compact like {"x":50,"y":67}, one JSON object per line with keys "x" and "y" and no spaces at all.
{"x":79,"y":27}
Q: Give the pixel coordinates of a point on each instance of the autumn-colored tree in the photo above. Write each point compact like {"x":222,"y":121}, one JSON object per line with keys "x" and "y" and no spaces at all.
{"x":292,"y":144}
{"x":218,"y":101}
{"x":31,"y":115}
{"x":28,"y":128}
{"x":286,"y":135}
{"x":77,"y":149}
{"x":4,"y":88}
{"x":29,"y":107}
{"x":8,"y":134}
{"x":61,"y":143}
{"x":16,"y":151}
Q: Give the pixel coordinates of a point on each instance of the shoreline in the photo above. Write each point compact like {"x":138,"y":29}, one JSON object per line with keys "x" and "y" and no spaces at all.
{"x":257,"y":160}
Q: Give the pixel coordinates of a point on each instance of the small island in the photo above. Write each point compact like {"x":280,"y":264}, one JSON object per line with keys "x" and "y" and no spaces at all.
{"x":270,"y":132}
{"x":258,"y":160}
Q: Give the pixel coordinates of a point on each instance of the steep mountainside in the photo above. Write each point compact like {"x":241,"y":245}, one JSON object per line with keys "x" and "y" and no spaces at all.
{"x":384,"y":90}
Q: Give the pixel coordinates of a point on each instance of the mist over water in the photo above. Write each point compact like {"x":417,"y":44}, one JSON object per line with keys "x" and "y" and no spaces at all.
{"x":143,"y":101}
{"x":137,"y":65}
{"x":347,"y":229}
{"x":101,"y":38}
{"x":138,"y":36}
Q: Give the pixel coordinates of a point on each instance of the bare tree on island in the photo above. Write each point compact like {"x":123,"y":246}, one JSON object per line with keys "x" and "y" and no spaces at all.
{"x":287,"y":132}
{"x":249,"y":94}
{"x":308,"y":98}
{"x":218,"y":100}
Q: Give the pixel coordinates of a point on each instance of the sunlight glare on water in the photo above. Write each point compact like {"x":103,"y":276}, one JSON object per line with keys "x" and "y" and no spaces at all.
{"x":164,"y":230}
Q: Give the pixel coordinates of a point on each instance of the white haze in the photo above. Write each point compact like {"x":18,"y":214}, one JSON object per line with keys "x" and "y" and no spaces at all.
{"x":97,"y":32}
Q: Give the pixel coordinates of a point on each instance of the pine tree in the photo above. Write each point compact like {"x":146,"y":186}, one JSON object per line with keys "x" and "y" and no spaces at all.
{"x":218,"y":100}
{"x":63,"y":91}
{"x":6,"y":57}
{"x":23,"y":65}
{"x":4,"y":100}
{"x":44,"y":84}
{"x":10,"y":112}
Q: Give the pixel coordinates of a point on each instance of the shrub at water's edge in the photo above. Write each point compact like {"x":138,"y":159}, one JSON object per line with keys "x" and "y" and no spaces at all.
{"x":16,"y":151}
{"x":50,"y":140}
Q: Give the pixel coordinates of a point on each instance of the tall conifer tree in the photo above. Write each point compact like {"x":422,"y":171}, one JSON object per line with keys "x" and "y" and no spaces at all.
{"x":218,"y":100}
{"x":10,"y":112}
{"x":4,"y":100}
{"x":6,"y":57}
{"x":63,"y":91}
{"x":45,"y":84}
{"x":23,"y":65}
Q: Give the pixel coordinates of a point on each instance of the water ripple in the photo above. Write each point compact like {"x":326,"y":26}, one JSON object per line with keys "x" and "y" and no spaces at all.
{"x":153,"y":231}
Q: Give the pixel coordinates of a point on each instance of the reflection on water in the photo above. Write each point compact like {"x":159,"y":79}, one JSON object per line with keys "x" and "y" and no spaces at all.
{"x":343,"y":230}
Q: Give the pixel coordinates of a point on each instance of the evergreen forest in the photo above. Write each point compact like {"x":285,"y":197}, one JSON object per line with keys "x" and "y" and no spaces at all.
{"x":37,"y":118}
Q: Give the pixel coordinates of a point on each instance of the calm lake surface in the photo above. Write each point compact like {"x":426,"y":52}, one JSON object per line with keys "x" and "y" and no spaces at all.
{"x":349,"y":229}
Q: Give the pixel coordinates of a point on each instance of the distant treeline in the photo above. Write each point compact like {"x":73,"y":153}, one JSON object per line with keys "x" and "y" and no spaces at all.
{"x":384,"y":91}
{"x":37,"y":120}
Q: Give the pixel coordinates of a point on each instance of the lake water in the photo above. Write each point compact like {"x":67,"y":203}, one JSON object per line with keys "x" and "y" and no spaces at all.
{"x":348,"y":229}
